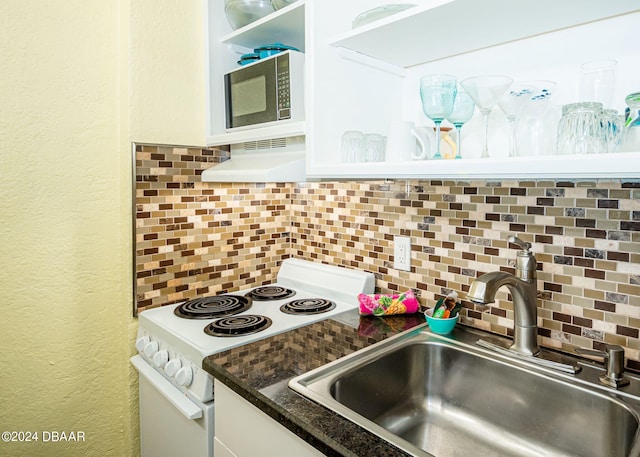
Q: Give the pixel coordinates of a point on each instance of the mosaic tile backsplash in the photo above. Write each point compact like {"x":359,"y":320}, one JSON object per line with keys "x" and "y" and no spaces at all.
{"x":195,"y":238}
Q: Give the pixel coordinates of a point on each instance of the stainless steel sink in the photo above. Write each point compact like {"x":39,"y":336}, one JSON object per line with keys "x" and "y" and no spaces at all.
{"x":444,"y":396}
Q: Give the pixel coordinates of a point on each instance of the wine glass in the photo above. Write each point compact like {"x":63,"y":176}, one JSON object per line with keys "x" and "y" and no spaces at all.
{"x":511,"y":103}
{"x":437,"y":93}
{"x":485,"y":92}
{"x":463,"y":107}
{"x":536,"y":129}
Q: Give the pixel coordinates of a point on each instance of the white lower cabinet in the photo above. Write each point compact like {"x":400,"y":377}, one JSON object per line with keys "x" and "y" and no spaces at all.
{"x":242,"y":430}
{"x":220,"y":450}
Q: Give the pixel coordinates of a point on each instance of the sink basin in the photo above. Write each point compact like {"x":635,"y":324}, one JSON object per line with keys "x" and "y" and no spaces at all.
{"x":443,"y":396}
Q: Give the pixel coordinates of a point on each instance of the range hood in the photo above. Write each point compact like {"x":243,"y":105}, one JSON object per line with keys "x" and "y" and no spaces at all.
{"x":274,"y":160}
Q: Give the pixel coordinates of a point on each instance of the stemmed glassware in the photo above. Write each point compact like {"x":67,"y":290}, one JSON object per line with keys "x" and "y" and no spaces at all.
{"x":511,"y":103}
{"x":463,"y":107}
{"x":537,"y":122}
{"x":485,"y":92}
{"x":437,"y":93}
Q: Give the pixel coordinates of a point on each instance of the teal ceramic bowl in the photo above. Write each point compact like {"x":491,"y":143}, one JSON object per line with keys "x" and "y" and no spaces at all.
{"x":440,"y":326}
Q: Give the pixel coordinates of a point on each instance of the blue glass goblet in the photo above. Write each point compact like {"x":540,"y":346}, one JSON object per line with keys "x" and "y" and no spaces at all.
{"x":437,"y":93}
{"x":463,"y":108}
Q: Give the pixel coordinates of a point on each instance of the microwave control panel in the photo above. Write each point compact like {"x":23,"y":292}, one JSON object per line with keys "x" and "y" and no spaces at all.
{"x":284,"y":86}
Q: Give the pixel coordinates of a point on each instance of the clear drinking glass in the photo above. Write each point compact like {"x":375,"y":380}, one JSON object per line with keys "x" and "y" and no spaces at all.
{"x":597,"y":81}
{"x":374,"y":146}
{"x":463,"y":107}
{"x":613,"y":124}
{"x":485,"y":92}
{"x":437,"y":93}
{"x":352,"y":146}
{"x":511,"y":103}
{"x":581,"y":130}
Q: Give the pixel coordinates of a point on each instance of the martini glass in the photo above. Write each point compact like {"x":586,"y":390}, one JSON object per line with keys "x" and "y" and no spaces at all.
{"x":437,"y":93}
{"x":463,"y":107}
{"x":485,"y":92}
{"x":511,"y":103}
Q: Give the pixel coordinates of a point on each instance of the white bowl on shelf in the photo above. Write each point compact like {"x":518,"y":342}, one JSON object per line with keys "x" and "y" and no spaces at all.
{"x":277,"y":4}
{"x":243,"y":12}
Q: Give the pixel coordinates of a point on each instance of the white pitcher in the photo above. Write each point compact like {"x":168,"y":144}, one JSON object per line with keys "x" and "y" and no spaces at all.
{"x":447,"y":144}
{"x":401,"y":143}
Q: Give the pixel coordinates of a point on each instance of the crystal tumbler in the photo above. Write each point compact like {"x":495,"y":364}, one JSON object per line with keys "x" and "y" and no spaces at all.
{"x":581,"y":129}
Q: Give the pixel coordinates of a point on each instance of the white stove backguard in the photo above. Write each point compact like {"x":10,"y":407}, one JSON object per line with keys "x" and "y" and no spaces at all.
{"x":176,"y":347}
{"x":328,"y":281}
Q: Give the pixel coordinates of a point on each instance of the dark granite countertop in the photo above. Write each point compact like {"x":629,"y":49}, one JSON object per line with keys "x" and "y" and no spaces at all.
{"x":260,"y":371}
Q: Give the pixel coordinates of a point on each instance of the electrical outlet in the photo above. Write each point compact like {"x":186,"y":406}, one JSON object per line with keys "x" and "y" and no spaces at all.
{"x":402,"y":253}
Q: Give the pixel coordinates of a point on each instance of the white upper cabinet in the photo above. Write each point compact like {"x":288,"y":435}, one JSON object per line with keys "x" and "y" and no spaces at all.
{"x":225,"y":46}
{"x":367,"y":77}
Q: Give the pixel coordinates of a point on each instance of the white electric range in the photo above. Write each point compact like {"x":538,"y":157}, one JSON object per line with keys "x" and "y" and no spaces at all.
{"x":176,"y":394}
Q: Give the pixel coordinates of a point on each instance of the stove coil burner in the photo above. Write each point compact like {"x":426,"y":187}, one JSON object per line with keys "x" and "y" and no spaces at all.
{"x":211,"y":307}
{"x":307,"y":306}
{"x":267,"y":293}
{"x":238,"y":325}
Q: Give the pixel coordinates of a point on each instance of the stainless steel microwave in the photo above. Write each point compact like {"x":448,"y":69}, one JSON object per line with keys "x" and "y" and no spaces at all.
{"x":267,"y":92}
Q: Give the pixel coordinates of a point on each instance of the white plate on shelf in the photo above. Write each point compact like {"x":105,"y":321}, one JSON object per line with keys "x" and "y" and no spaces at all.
{"x":379,"y":13}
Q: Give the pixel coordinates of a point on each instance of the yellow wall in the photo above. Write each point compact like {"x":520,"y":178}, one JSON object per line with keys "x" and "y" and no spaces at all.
{"x":167,"y":72}
{"x":65,"y":305}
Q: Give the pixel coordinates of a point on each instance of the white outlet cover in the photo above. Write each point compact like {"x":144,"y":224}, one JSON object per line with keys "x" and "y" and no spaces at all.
{"x":402,"y":253}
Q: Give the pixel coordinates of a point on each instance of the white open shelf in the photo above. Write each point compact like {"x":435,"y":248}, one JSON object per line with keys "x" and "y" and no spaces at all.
{"x":445,"y":28}
{"x":284,"y":26}
{"x":554,"y":167}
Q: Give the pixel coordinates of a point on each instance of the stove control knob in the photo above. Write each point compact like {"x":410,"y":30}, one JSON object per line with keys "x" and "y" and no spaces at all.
{"x":160,"y":358}
{"x":141,"y":343}
{"x":184,"y":376}
{"x":151,"y":348}
{"x":172,"y":367}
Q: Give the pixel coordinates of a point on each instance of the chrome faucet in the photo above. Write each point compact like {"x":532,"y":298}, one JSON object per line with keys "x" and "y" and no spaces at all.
{"x":523,"y":288}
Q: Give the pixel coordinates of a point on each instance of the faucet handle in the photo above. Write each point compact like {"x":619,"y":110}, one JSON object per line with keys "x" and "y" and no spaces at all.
{"x":613,"y":357}
{"x":524,"y":245}
{"x":526,"y":263}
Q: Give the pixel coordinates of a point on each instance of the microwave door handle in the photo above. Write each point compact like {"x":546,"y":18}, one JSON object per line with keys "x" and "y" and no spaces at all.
{"x":189,"y":409}
{"x":227,"y":102}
